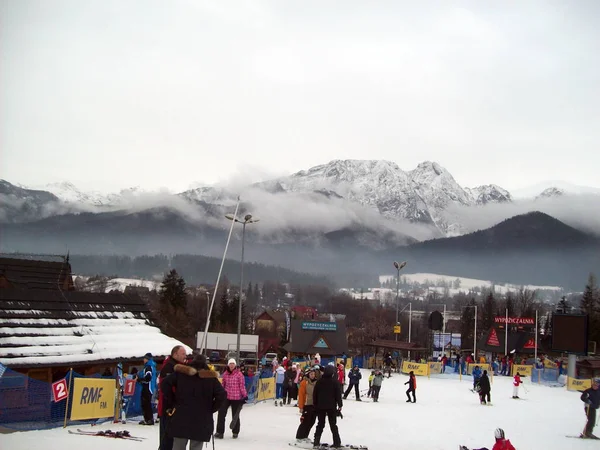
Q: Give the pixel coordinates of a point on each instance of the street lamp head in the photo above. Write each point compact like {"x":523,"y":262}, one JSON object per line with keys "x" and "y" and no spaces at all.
{"x":398,"y":265}
{"x":230,"y":217}
{"x":247,"y":217}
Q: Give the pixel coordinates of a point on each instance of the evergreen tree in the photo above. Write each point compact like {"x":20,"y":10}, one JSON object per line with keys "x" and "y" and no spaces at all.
{"x":489,"y":311}
{"x":172,"y":290}
{"x":510,"y":304}
{"x":563,"y":306}
{"x":590,"y":297}
{"x":467,"y":323}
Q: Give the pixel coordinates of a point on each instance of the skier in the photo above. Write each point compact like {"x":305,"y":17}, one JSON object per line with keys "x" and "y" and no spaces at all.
{"x":327,"y":399}
{"x":476,"y":377}
{"x":412,"y":387}
{"x":306,"y":405}
{"x":376,"y":385}
{"x":279,"y":375}
{"x":501,"y":442}
{"x":354,"y":376}
{"x":516,"y":383}
{"x":370,"y":391}
{"x":147,"y":378}
{"x":192,"y":394}
{"x":484,"y":388}
{"x":591,"y":398}
{"x":178,"y":356}
{"x":388,"y":363}
{"x":235,"y":386}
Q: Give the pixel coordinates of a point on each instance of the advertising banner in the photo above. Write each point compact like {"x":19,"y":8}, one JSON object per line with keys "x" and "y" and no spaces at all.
{"x":418,"y":369}
{"x":93,"y":398}
{"x":525,"y":370}
{"x":573,"y":384}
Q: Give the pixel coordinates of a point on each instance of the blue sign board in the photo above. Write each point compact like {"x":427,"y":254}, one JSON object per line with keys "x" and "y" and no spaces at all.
{"x":319,"y":326}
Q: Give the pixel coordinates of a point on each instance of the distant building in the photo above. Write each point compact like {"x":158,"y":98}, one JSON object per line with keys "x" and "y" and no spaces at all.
{"x":30,"y":274}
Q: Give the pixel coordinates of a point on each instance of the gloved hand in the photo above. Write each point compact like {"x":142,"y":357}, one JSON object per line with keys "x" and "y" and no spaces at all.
{"x":245,"y":400}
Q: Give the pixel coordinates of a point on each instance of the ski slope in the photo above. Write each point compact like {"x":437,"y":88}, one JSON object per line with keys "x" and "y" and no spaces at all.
{"x":446,"y":414}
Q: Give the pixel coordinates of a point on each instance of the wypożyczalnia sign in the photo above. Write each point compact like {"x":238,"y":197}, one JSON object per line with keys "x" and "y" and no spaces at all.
{"x":319,"y":326}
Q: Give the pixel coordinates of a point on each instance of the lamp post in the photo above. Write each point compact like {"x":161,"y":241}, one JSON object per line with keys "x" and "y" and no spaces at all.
{"x":247,"y":219}
{"x":409,"y":322}
{"x":207,"y":315}
{"x":398,"y":267}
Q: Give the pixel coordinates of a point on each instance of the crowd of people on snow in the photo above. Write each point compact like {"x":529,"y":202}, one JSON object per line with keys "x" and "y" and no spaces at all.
{"x":189,"y":393}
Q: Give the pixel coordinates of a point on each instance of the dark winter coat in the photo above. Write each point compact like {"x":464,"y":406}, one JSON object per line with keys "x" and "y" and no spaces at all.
{"x":591,"y":397}
{"x":354,"y":376}
{"x":484,"y":384}
{"x":196,"y":396}
{"x":167,"y":369}
{"x":412,"y":382}
{"x":327,"y":394}
{"x":289,"y":377}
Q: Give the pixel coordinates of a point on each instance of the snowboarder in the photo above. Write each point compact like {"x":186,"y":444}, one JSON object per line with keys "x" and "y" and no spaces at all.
{"x":376,"y":385}
{"x":412,"y":387}
{"x":306,"y":405}
{"x":191,"y":395}
{"x":484,"y":388}
{"x":501,"y":442}
{"x":235,"y":386}
{"x":476,"y":377}
{"x":147,"y":378}
{"x":516,"y":383}
{"x":327,"y":399}
{"x":591,"y":398}
{"x":354,"y":376}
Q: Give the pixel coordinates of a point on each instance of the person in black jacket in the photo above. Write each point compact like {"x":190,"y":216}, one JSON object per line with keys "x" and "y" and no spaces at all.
{"x":354,"y":377}
{"x":178,"y":356}
{"x":412,"y":387}
{"x":484,"y":388}
{"x":192,"y":394}
{"x":591,"y":398}
{"x":327,"y":400}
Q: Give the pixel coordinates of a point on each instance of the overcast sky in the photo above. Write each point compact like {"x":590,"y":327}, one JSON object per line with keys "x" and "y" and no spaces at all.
{"x":110,"y":94}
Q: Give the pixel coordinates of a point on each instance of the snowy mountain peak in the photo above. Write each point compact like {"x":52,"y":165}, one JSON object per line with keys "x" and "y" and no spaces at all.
{"x":489,"y":193}
{"x":349,"y":170}
{"x":551,"y":192}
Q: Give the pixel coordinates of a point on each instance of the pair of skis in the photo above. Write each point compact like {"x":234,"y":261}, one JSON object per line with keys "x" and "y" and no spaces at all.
{"x":309,"y":445}
{"x":110,"y":434}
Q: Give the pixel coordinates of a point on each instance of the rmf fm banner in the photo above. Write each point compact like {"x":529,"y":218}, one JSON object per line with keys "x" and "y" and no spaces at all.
{"x":266,"y":389}
{"x":573,"y":384}
{"x":524,"y":370}
{"x":435,"y":367}
{"x":481,"y":366}
{"x":418,"y":369}
{"x":93,"y":398}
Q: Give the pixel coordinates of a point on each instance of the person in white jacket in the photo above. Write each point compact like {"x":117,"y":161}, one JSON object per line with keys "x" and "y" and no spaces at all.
{"x":279,"y":375}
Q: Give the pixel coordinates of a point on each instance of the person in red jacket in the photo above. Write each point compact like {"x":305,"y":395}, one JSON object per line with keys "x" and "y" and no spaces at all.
{"x":341,"y":374}
{"x":501,"y":442}
{"x":516,"y":383}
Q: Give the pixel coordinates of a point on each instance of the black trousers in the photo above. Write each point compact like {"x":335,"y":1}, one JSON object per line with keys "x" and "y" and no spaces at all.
{"x":485,"y":395}
{"x":147,"y":403}
{"x":414,"y":396}
{"x":235,"y":407}
{"x":591,"y":420}
{"x":375,"y":392}
{"x":331,"y":415}
{"x":350,"y":386}
{"x":308,"y":419}
{"x":166,"y":441}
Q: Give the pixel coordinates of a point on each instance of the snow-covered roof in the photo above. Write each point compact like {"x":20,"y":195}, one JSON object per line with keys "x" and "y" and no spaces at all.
{"x":50,"y":328}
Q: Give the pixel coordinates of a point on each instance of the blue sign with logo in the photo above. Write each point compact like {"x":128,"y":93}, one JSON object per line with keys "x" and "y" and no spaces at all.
{"x":319,"y":326}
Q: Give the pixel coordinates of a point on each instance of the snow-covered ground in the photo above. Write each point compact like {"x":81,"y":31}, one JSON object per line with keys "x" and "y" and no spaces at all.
{"x":465,"y":283}
{"x":446,"y":414}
